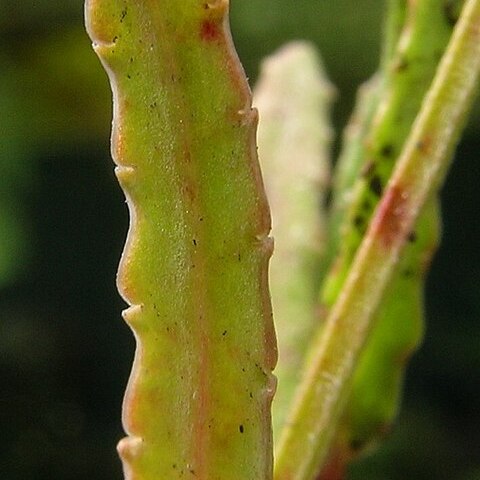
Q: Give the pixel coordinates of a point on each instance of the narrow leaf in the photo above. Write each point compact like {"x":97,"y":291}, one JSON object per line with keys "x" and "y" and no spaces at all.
{"x":377,"y":385}
{"x":419,"y":173}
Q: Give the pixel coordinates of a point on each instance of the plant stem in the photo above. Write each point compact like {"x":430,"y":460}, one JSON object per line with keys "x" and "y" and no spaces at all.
{"x":419,"y":173}
{"x":194,"y":269}
{"x":293,"y":97}
{"x":395,"y":20}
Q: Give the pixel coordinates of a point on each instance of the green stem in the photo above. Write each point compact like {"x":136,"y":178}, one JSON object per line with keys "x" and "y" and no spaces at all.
{"x":194,"y":269}
{"x":395,"y":20}
{"x":419,"y":173}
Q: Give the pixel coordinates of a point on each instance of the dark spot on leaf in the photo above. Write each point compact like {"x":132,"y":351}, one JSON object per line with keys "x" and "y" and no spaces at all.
{"x":408,"y":273}
{"x":195,"y":242}
{"x":114,"y":39}
{"x":209,"y":31}
{"x":387,"y":150}
{"x":376,"y":185}
{"x":356,"y":444}
{"x":366,"y":205}
{"x":224,"y":333}
{"x":412,"y":237}
{"x":451,"y":11}
{"x":240,"y":428}
{"x":359,"y":221}
{"x":123,"y":15}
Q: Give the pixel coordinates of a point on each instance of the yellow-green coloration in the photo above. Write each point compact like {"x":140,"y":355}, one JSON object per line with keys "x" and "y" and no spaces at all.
{"x":293,"y":98}
{"x":408,"y":75}
{"x":378,"y":379}
{"x":353,"y":153}
{"x":349,"y":162}
{"x":194,"y":268}
{"x":419,"y":172}
{"x":377,"y":384}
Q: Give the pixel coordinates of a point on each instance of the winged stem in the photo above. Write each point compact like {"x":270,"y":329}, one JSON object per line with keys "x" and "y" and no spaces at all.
{"x":194,"y":269}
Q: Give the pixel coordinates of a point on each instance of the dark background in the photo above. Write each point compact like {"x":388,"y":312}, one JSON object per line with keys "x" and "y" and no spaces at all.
{"x":65,"y":353}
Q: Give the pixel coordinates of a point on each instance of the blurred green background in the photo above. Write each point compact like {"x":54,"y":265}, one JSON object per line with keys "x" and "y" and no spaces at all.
{"x":65,"y":353}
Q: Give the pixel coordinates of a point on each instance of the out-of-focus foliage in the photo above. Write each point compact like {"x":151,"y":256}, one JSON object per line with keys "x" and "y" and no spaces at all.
{"x":64,"y":350}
